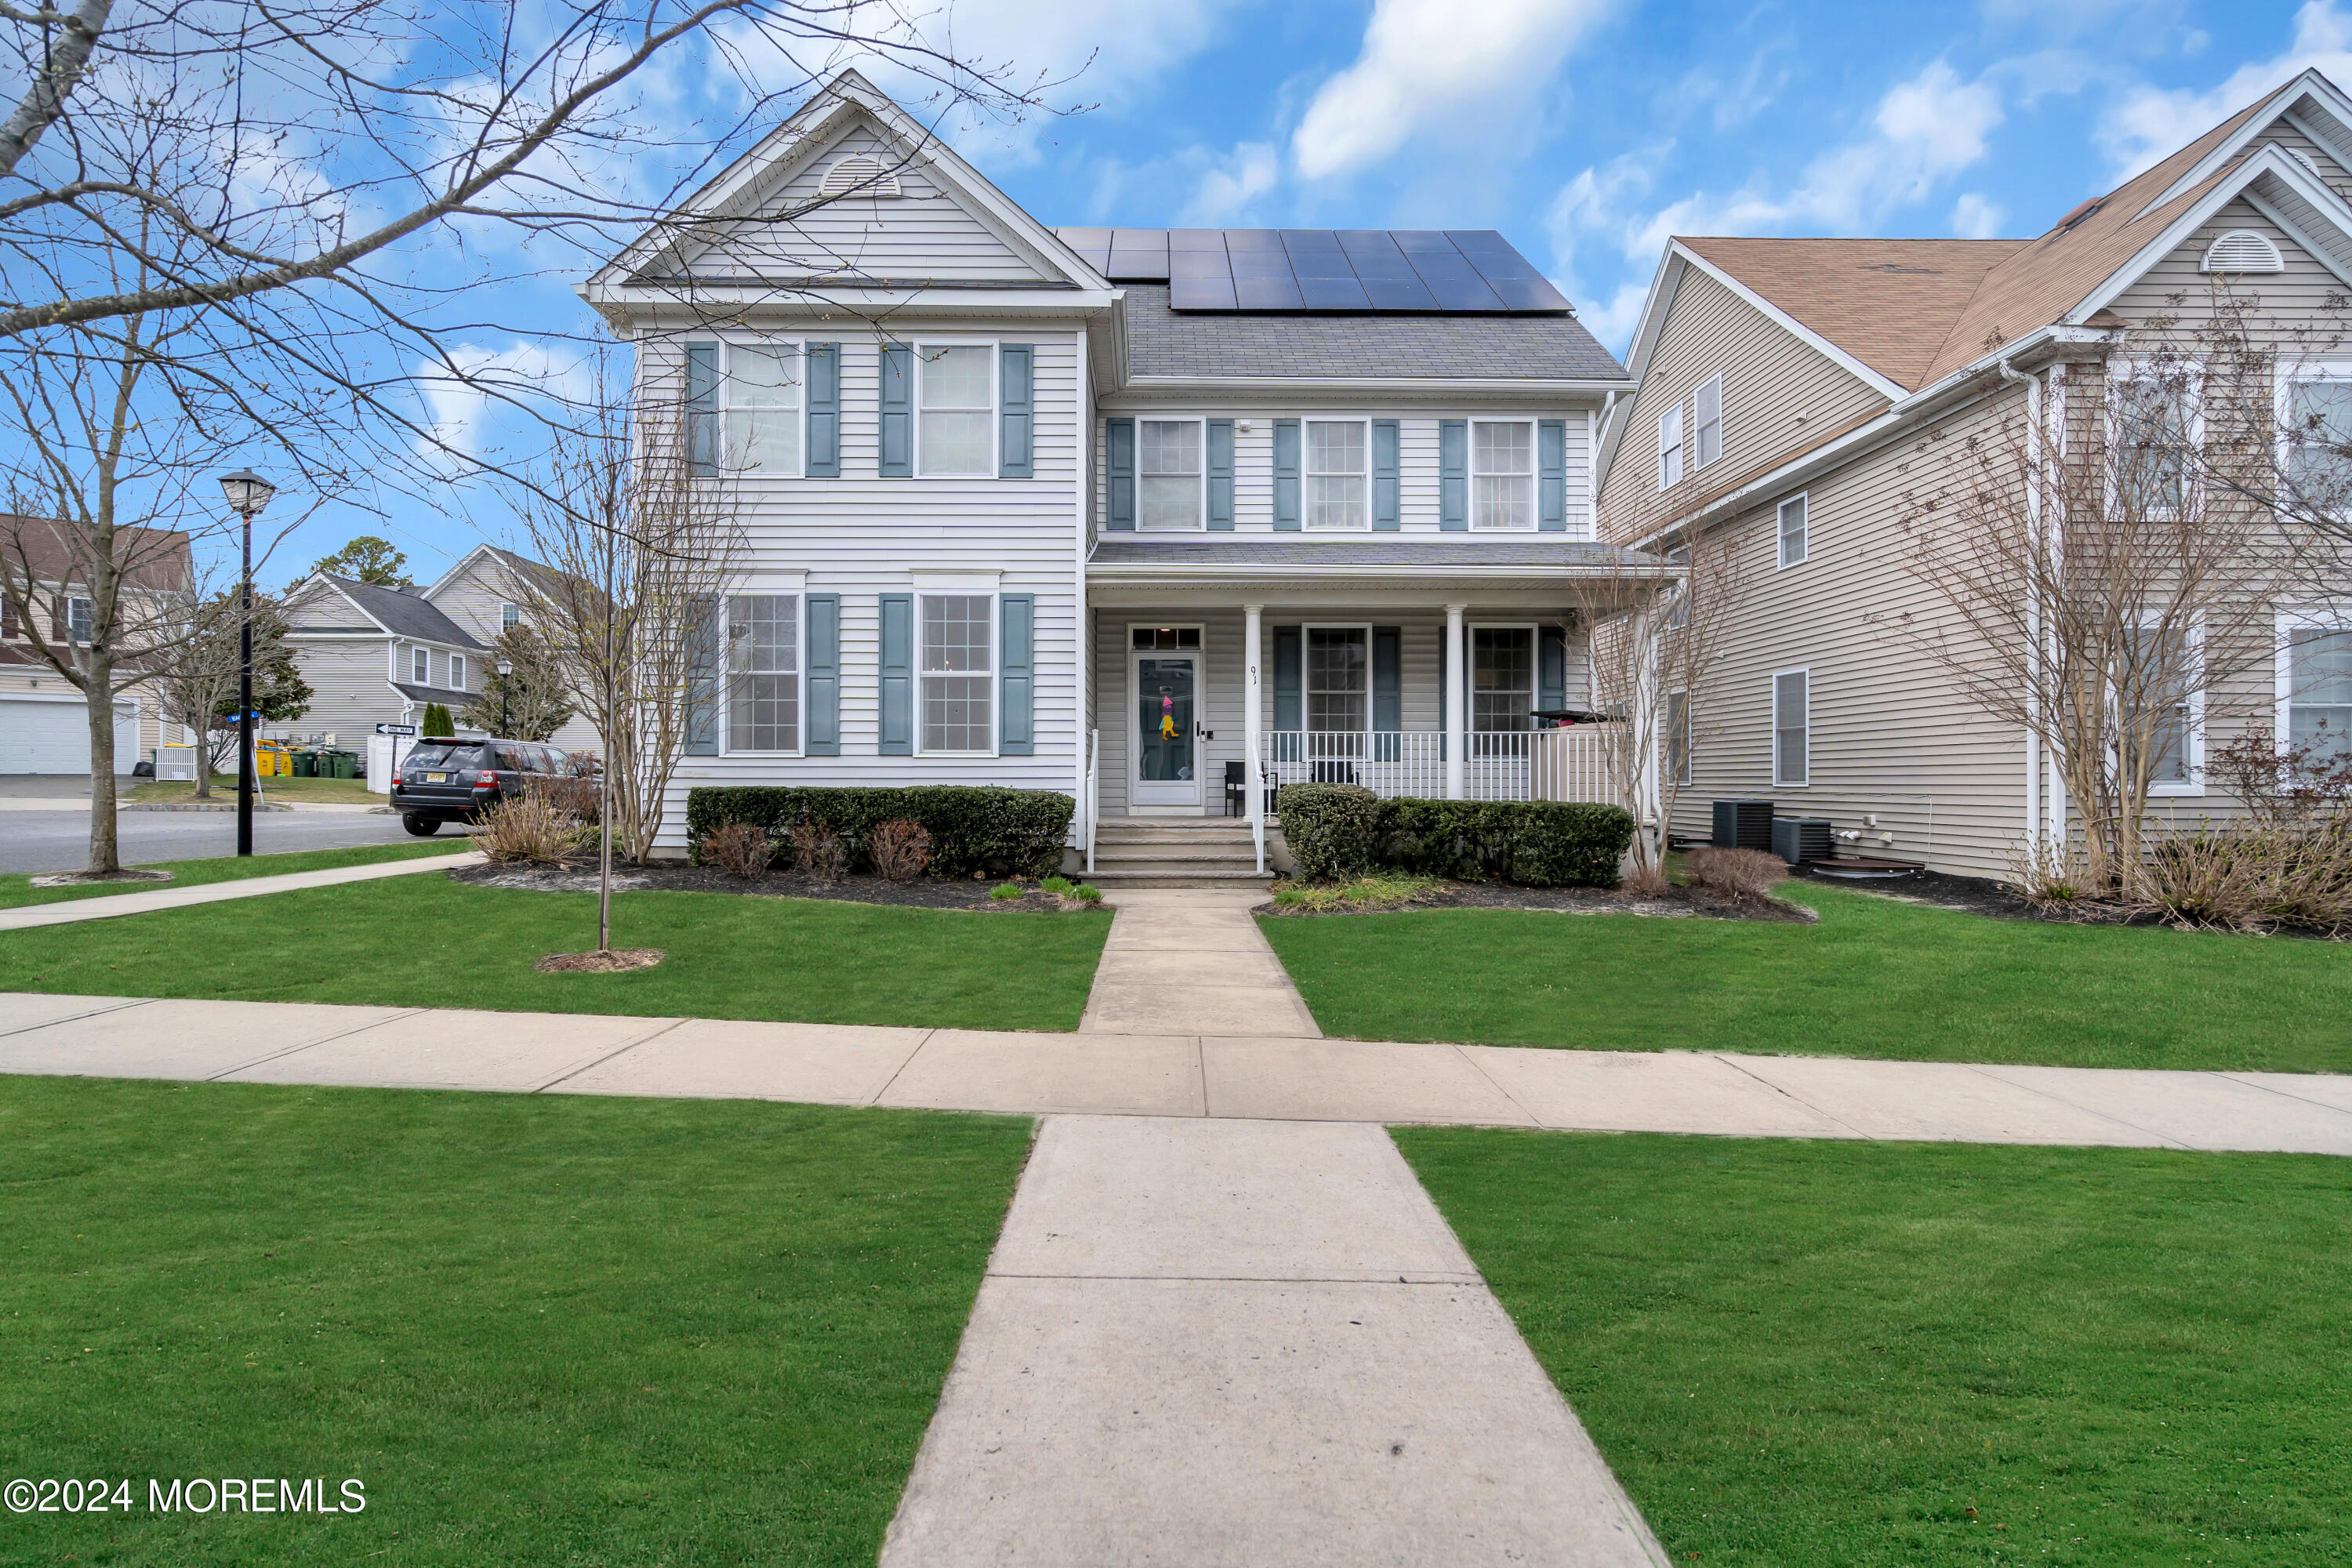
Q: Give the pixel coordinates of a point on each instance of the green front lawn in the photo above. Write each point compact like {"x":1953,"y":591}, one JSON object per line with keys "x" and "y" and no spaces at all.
{"x":536,"y":1330}
{"x":17,"y":888}
{"x":1804,"y":1353}
{"x":1876,"y":978}
{"x":345,"y":792}
{"x":426,"y":941}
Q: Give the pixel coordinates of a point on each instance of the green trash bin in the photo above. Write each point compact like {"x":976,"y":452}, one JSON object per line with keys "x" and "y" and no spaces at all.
{"x":346,"y":766}
{"x":306,"y":765}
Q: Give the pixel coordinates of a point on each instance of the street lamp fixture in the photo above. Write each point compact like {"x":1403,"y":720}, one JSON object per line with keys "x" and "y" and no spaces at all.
{"x":505,"y":667}
{"x":247,"y":492}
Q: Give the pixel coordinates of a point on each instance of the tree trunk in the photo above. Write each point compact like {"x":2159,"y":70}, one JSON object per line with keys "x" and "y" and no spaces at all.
{"x":103,"y":860}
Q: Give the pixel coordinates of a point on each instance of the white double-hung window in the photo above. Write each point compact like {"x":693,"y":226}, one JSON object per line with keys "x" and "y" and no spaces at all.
{"x":1169,"y":476}
{"x":1502,"y":678}
{"x":1338,"y":482}
{"x":958,"y":664}
{"x":763,"y":672}
{"x":456,"y":672}
{"x":2314,"y":418}
{"x":1708,"y":404}
{"x":1792,"y":727}
{"x":955,"y":403}
{"x":1670,"y":446}
{"x":2154,"y":427}
{"x":420,"y":666}
{"x":1502,"y":474}
{"x":2315,"y":685}
{"x":1793,"y":521}
{"x":759,"y":399}
{"x":2166,"y":707}
{"x":1339,"y":678}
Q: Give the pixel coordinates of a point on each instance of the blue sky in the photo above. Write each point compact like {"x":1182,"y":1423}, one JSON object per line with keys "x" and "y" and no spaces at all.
{"x":1586,"y":131}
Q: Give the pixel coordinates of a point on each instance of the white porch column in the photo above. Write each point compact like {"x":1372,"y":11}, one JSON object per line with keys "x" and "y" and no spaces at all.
{"x":1254,"y":722}
{"x":1457,"y":700}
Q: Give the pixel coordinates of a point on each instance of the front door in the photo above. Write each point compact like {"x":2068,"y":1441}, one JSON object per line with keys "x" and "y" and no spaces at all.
{"x":1166,"y":695}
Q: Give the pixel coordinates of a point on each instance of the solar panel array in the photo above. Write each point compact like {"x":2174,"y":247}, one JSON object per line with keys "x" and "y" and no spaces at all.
{"x":1423,"y":270}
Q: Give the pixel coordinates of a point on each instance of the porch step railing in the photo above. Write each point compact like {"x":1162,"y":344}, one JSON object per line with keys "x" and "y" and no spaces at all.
{"x":1497,"y":764}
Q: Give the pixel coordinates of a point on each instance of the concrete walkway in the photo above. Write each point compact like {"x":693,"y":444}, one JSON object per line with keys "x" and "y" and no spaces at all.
{"x":1246,"y":1343}
{"x":1185,"y":962}
{"x":113,"y":906}
{"x":1245,"y":1077}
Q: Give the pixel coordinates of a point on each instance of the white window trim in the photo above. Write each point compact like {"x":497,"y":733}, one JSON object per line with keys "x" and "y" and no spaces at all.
{"x":728,"y":343}
{"x":995,"y":416}
{"x":1534,"y":476}
{"x":1772,"y":713}
{"x":1675,"y":416}
{"x":456,"y":672}
{"x":1201,"y":512}
{"x":727,"y":746}
{"x":995,"y":670}
{"x":2291,"y":377}
{"x":2131,"y":370}
{"x":1307,"y":475}
{"x":510,"y":614}
{"x":74,"y":638}
{"x":2324,"y":618}
{"x":2194,"y":785}
{"x":415,"y":678}
{"x":1470,"y":677}
{"x":1306,"y":692}
{"x":1781,"y":531}
{"x":1699,"y":459}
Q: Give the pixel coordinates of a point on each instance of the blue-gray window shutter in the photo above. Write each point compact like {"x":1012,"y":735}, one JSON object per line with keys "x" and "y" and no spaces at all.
{"x":1551,"y":475}
{"x":1017,"y":403}
{"x":1221,"y":474}
{"x":897,"y":693}
{"x":1388,"y":691}
{"x":1286,"y":476}
{"x":1119,"y":450}
{"x":1289,"y":688}
{"x":702,"y":409}
{"x":1454,"y":475}
{"x":1551,"y":666}
{"x":1387,"y":502}
{"x":897,"y":411}
{"x":702,"y":634}
{"x":823,"y":725}
{"x":823,"y":360}
{"x":1016,"y":700}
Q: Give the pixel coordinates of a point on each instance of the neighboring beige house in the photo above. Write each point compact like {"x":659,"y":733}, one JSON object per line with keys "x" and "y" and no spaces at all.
{"x":376,"y":655}
{"x":1789,"y":388}
{"x":44,"y":717}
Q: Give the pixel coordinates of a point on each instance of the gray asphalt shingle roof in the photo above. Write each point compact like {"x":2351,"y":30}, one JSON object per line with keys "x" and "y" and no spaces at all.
{"x":404,"y":615}
{"x":1288,"y":550}
{"x":441,"y":694}
{"x":1162,"y":341}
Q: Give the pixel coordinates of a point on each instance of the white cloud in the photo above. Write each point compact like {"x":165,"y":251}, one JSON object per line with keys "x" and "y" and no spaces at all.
{"x":466,"y":406}
{"x":1228,"y":188}
{"x":1978,"y":216}
{"x":1926,"y":130}
{"x":2148,"y":124}
{"x":1431,"y":65}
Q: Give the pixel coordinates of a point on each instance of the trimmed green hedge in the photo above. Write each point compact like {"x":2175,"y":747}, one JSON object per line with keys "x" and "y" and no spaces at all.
{"x":996,"y":832}
{"x":1338,"y":831}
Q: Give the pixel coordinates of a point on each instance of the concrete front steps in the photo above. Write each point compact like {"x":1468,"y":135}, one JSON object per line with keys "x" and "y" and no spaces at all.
{"x":1176,"y":852}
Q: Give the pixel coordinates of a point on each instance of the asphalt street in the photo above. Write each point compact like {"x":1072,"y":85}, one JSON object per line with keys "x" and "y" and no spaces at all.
{"x":58,"y":840}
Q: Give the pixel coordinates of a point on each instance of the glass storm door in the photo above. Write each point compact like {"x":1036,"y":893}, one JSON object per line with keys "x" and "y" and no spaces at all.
{"x":1167,"y":733}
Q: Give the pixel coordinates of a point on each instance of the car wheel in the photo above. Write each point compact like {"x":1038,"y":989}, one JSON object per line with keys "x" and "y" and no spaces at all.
{"x":420,"y":825}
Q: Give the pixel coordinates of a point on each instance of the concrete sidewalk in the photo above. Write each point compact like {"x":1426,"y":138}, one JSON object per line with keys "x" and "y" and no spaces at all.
{"x":113,"y":906}
{"x":1218,"y":1077}
{"x":1192,"y":961}
{"x":1246,"y":1343}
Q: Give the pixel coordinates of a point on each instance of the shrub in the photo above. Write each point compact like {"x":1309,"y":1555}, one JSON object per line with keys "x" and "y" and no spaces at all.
{"x":1060,"y":885}
{"x":818,"y":852}
{"x":2252,"y":876}
{"x":739,"y":849}
{"x":1008,"y":890}
{"x":1331,"y":828}
{"x":974,"y":829}
{"x":1647,"y":881}
{"x":529,"y":830}
{"x":437,"y":722}
{"x":581,"y":799}
{"x":900,"y":849}
{"x":1086,"y":892}
{"x":1747,"y":875}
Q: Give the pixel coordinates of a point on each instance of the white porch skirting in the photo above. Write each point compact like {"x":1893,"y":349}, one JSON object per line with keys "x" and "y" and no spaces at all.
{"x":1498,"y":764}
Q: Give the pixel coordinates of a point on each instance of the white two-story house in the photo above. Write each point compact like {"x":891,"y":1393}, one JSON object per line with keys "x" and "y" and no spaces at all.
{"x":1147,"y":516}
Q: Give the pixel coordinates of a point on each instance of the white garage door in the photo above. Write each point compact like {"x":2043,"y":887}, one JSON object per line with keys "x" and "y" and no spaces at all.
{"x":51,"y":735}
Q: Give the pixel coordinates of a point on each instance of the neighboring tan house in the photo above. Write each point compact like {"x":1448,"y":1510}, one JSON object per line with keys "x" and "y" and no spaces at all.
{"x":1117,"y":513}
{"x":1788,"y":389}
{"x":376,"y":655}
{"x":44,"y":717}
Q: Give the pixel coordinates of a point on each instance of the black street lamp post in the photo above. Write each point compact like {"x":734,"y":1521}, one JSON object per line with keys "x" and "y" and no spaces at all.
{"x":247,"y":493}
{"x":506,"y":685}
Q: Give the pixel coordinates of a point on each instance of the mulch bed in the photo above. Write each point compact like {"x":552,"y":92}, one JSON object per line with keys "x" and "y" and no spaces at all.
{"x":1983,"y":896}
{"x":610,"y":962}
{"x":1678,"y":904}
{"x":923,"y":892}
{"x":99,"y":878}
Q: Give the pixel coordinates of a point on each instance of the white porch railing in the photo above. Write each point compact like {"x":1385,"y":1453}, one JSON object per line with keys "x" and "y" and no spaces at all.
{"x":1497,"y":764}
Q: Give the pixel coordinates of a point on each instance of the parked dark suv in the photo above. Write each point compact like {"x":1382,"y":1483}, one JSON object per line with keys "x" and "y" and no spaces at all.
{"x":452,"y":781}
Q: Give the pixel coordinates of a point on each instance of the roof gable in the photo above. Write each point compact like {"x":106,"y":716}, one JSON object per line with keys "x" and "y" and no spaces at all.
{"x":395,"y":612}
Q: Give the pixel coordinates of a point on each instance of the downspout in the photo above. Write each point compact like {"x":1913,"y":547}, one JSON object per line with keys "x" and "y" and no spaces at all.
{"x":2033,"y":458}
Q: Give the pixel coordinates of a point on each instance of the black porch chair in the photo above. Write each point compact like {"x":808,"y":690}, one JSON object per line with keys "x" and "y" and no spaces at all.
{"x":1236,"y":789}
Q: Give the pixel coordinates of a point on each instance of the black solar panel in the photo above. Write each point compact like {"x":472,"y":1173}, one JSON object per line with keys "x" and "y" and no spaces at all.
{"x":1360,"y":270}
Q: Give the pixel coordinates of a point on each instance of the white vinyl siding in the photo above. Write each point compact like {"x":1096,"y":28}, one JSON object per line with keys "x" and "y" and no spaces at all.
{"x":1502,"y":474}
{"x":955,"y":410}
{"x":1708,"y":443}
{"x":1670,"y":446}
{"x":1170,"y":476}
{"x":764,"y":673}
{"x":1793,"y":526}
{"x":958,"y":699}
{"x":1338,"y":478}
{"x":1792,"y":727}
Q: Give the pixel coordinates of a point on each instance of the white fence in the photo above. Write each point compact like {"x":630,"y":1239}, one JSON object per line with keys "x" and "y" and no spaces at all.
{"x":1498,"y":764}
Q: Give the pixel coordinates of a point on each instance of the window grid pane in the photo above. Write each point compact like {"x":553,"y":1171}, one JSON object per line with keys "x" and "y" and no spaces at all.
{"x":1502,"y":678}
{"x":763,"y":679}
{"x":959,"y":650}
{"x":763,"y":399}
{"x":957,"y":414}
{"x":2319,"y":431}
{"x":1168,"y":467}
{"x":1338,"y":678}
{"x":1336,"y":487}
{"x":1791,"y":703}
{"x":1793,"y":531}
{"x":1502,"y":475}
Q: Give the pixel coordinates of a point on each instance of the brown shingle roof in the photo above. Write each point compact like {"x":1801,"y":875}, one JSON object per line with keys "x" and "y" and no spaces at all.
{"x":1890,"y":303}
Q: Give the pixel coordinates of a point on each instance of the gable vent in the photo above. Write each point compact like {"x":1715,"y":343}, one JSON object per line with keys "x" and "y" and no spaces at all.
{"x":860,"y":173}
{"x":2304,"y":158}
{"x":2242,"y":250}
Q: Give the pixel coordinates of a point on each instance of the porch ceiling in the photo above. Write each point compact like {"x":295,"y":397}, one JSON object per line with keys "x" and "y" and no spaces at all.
{"x":1391,"y":570}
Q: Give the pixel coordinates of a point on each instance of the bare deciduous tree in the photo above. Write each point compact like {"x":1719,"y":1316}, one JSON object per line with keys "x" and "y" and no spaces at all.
{"x":200,"y":663}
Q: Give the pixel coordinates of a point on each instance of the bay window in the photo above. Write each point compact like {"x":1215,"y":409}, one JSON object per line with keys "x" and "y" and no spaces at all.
{"x":1337,"y":483}
{"x":1169,"y":474}
{"x":763,"y":672}
{"x":955,"y":393}
{"x":957,"y":661}
{"x":1502,"y":474}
